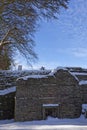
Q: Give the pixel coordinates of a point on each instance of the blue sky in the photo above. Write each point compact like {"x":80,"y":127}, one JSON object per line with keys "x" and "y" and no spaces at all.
{"x":63,"y":42}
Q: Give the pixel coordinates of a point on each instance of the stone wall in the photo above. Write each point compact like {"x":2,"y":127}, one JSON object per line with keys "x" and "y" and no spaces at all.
{"x":7,"y":100}
{"x":70,"y":96}
{"x":83,"y":90}
{"x":8,"y":89}
{"x":60,"y":88}
{"x":38,"y":91}
{"x":7,"y":106}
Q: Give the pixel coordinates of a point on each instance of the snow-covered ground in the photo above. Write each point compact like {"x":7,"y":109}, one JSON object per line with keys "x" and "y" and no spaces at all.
{"x":49,"y":124}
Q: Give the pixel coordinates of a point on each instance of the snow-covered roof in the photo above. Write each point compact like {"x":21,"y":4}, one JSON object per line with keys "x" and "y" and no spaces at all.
{"x":50,"y":105}
{"x":7,"y":91}
{"x":83,"y":82}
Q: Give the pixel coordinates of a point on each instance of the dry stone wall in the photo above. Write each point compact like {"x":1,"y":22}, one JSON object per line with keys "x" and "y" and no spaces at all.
{"x":83,"y":90}
{"x":7,"y":100}
{"x":8,"y":90}
{"x":32,"y":93}
{"x":60,"y":88}
{"x":7,"y":106}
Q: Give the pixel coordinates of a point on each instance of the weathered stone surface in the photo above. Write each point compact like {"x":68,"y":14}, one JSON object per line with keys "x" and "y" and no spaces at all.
{"x":7,"y":106}
{"x":7,"y":100}
{"x":83,"y":90}
{"x":62,"y":88}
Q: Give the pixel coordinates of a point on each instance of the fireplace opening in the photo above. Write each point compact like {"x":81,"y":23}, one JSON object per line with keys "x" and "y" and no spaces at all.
{"x":50,"y":110}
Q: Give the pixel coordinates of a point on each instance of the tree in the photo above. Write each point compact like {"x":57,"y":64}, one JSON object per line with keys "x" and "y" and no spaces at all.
{"x":19,"y":21}
{"x":5,"y":58}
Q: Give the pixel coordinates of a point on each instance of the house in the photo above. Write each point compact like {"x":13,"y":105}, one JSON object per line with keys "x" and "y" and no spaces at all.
{"x":56,"y":94}
{"x":37,"y":94}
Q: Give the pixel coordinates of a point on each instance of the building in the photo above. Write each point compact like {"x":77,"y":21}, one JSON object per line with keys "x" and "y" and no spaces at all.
{"x":37,"y":94}
{"x":57,"y":94}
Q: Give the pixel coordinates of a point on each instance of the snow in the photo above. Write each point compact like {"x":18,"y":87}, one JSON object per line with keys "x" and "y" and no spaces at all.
{"x":84,"y":106}
{"x":55,"y":70}
{"x":8,"y":90}
{"x":49,"y":124}
{"x":63,"y":68}
{"x":33,"y":76}
{"x":83,"y":82}
{"x":74,"y":76}
{"x":79,"y":73}
{"x":49,"y":105}
{"x":17,"y":73}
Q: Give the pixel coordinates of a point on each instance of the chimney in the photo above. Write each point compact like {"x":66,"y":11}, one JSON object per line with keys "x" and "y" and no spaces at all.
{"x":19,"y":67}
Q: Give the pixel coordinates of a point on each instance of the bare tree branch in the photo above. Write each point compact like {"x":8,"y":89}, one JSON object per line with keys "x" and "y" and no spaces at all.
{"x":19,"y":21}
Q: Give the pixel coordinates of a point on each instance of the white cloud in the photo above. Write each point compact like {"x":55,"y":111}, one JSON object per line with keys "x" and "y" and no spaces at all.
{"x":74,"y":20}
{"x":76,"y":52}
{"x":79,"y":52}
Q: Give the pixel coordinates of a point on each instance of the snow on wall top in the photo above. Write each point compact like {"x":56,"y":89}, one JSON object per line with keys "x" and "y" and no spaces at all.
{"x":74,"y":76}
{"x":7,"y":91}
{"x":79,"y":73}
{"x":65,"y":69}
{"x":83,"y":82}
{"x":42,"y":73}
{"x":24,"y":72}
{"x":52,"y":72}
{"x":55,"y":70}
{"x":50,"y":105}
{"x":7,"y":74}
{"x":47,"y":73}
{"x":33,"y":76}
